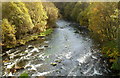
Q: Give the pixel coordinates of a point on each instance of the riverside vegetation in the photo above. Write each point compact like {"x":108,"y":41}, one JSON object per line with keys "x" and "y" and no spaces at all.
{"x":102,"y":19}
{"x":23,"y":22}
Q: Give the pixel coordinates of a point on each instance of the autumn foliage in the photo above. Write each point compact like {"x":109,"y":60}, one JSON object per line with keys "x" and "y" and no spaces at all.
{"x":24,"y":21}
{"x":102,"y":19}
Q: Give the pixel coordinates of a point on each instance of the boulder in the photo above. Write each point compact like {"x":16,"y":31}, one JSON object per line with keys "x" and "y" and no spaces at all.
{"x":53,"y":64}
{"x":45,"y":45}
{"x":16,"y":56}
{"x":34,"y":50}
{"x":41,"y":48}
{"x":10,"y":66}
{"x":20,"y":63}
{"x":30,"y":47}
{"x":46,"y":41}
{"x":58,"y":60}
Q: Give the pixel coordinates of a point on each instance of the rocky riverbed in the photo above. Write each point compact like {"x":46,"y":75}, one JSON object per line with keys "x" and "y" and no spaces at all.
{"x":66,"y":52}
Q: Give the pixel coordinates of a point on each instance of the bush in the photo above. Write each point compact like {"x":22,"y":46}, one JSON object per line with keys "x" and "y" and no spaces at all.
{"x":8,"y":33}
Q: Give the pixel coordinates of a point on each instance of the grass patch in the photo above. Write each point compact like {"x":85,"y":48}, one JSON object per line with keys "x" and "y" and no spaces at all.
{"x":47,"y":32}
{"x":24,"y":75}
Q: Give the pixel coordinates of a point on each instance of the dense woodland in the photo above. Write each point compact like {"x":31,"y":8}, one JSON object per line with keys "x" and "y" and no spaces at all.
{"x":23,"y":22}
{"x":101,"y":18}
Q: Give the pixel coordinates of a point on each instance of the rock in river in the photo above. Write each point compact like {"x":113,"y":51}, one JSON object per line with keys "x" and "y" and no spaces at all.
{"x":35,"y":50}
{"x":46,"y":41}
{"x":21,"y":63}
{"x":59,"y":60}
{"x":45,"y":45}
{"x":10,"y":66}
{"x":53,"y":64}
{"x":30,"y":47}
{"x":41,"y":48}
{"x":15,"y":56}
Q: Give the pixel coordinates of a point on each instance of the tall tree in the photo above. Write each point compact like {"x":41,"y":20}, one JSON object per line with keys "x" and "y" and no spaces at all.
{"x":17,"y":14}
{"x":102,"y":20}
{"x":38,"y":16}
{"x":8,"y":33}
{"x":77,"y":9}
{"x":52,"y":12}
{"x":68,"y":9}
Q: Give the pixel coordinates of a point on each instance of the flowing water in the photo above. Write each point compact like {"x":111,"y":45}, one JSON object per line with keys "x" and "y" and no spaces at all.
{"x":66,"y":52}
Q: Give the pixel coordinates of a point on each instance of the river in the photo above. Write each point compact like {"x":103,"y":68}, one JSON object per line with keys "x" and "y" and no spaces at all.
{"x":66,"y":52}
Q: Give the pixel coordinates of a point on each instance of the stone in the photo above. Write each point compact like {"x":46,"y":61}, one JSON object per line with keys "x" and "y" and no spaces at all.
{"x":20,"y":63}
{"x":30,"y":47}
{"x":43,"y":38}
{"x":76,"y":32}
{"x":16,"y":56}
{"x":46,"y":41}
{"x":10,"y":66}
{"x":59,"y":60}
{"x":41,"y":48}
{"x":65,"y":46}
{"x":46,"y":46}
{"x":34,"y":50}
{"x":94,"y":57}
{"x":53,"y":64}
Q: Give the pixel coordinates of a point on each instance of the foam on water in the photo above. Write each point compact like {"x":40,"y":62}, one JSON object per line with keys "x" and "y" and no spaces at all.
{"x":96,"y":72}
{"x":43,"y":73}
{"x":68,"y":55}
{"x":83,"y":59}
{"x":35,"y":49}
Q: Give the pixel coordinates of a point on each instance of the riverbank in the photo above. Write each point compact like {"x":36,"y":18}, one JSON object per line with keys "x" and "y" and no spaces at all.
{"x":27,"y":39}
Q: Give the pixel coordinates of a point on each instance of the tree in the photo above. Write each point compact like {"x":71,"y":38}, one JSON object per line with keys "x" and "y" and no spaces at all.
{"x":78,"y":8}
{"x":52,"y":12}
{"x":38,"y":16}
{"x":8,"y":33}
{"x":68,"y":8}
{"x":101,"y":20}
{"x":17,"y":14}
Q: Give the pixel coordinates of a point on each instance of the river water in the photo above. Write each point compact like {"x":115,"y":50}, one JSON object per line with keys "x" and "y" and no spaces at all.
{"x":66,"y":52}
